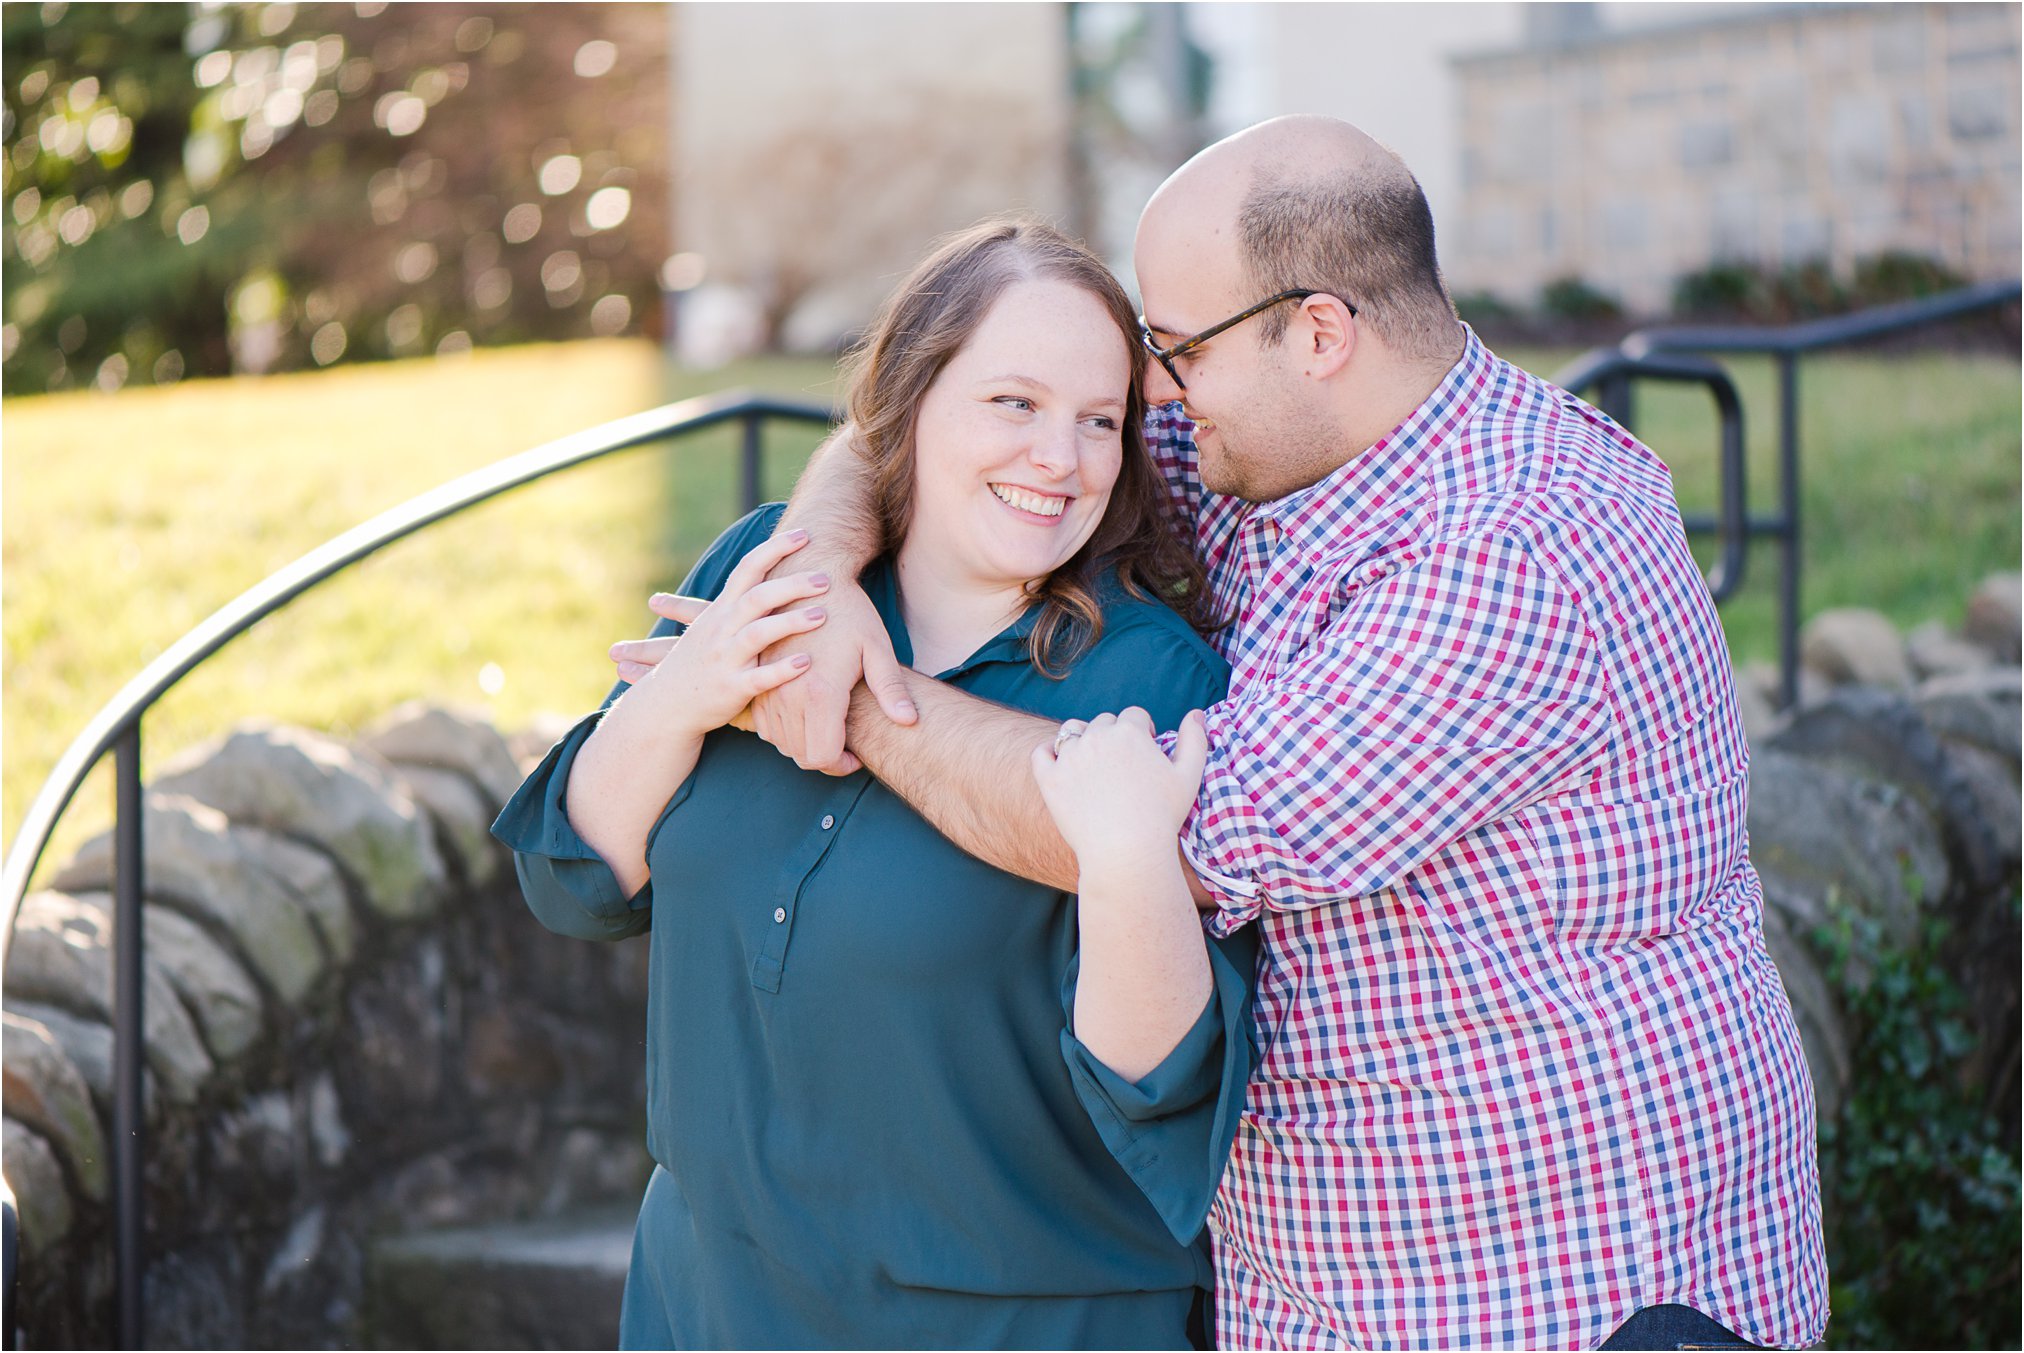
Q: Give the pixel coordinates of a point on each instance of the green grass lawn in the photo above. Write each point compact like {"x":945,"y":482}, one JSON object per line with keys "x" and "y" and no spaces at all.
{"x":128,"y":518}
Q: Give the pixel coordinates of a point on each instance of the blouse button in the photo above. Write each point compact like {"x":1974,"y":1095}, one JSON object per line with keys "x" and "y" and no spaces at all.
{"x":828,"y":821}
{"x":779,"y":915}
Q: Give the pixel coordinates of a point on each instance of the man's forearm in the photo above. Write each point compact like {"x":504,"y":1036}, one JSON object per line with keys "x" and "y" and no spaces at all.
{"x":833,"y":502}
{"x":966,"y":768}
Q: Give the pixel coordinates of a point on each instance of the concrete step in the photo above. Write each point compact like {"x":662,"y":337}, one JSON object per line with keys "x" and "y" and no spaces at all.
{"x":554,"y":1283}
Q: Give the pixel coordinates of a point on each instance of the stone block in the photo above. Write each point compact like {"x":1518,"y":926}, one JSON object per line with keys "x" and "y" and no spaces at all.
{"x":1883,"y":739}
{"x":1760,"y":717}
{"x":1817,"y":831}
{"x":1980,"y":709}
{"x":1992,"y":619}
{"x":44,"y":1090}
{"x":314,"y":880}
{"x":224,"y":1000}
{"x":195,"y":862}
{"x":311,"y":787}
{"x":1855,"y":645}
{"x":62,"y":956}
{"x":1934,"y":650}
{"x":88,"y":1043}
{"x":417,"y":734}
{"x":463,"y":818}
{"x":253,"y":1143}
{"x":41,"y":1196}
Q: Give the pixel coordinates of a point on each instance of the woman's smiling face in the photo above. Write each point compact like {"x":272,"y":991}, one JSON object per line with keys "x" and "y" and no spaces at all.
{"x":1020,"y":438}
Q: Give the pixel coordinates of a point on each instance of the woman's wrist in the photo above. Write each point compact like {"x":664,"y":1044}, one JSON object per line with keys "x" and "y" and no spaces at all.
{"x":641,"y":727}
{"x":1124,"y":865}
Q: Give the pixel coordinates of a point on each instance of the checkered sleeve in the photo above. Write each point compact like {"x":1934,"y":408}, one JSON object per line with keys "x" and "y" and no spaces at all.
{"x":1460,"y":685}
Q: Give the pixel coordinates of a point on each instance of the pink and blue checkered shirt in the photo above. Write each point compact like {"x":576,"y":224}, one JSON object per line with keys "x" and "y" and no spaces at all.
{"x":1525,"y":1064}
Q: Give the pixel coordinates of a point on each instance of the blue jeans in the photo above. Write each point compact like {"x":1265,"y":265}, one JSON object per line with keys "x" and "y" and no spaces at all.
{"x":1674,"y":1327}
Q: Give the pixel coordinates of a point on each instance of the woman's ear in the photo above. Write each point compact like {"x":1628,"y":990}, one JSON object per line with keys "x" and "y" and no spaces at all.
{"x":1328,"y":333}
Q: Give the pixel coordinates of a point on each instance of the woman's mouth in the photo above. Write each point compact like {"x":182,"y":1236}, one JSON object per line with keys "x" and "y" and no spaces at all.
{"x":1038,"y":504}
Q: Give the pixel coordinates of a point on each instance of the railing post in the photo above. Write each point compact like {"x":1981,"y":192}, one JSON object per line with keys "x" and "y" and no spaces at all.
{"x":1613,"y":397}
{"x":748,"y":462}
{"x":1788,"y":492}
{"x":129,"y":1042}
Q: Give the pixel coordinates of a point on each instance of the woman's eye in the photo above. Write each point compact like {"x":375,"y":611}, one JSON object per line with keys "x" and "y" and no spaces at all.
{"x":1103,"y":422}
{"x":1019,"y":402}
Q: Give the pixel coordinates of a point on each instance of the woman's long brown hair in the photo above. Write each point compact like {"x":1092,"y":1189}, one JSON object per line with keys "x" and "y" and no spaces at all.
{"x":923,"y":324}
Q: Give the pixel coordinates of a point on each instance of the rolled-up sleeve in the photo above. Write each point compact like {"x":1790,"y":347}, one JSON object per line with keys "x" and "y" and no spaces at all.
{"x":1171,"y":1130}
{"x":568,"y":886}
{"x":1464,"y":684}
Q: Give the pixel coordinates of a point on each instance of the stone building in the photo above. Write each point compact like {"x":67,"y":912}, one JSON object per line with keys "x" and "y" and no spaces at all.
{"x":1776,"y":135}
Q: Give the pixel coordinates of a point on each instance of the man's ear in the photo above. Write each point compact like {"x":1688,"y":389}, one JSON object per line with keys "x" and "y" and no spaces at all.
{"x":1328,"y":332}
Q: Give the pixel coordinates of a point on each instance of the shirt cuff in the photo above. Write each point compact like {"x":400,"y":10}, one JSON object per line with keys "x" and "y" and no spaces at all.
{"x":1171,"y":1129}
{"x":567,"y":884}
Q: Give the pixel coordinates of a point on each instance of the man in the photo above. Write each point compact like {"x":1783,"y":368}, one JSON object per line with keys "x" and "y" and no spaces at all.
{"x":1527,"y":1075}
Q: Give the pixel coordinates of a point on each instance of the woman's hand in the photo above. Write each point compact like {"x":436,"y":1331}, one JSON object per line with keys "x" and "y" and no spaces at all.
{"x":707,"y":677}
{"x":1116,"y":797}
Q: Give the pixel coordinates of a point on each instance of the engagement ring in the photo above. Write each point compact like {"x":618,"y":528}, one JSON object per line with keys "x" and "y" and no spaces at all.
{"x":1074,"y":728}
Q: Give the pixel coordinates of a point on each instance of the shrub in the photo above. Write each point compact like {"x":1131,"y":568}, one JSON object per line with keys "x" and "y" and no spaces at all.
{"x":1719,"y":291}
{"x":1484,"y":307}
{"x":1570,"y":298}
{"x":1919,"y":1177}
{"x":1899,"y":276}
{"x":1807,"y":291}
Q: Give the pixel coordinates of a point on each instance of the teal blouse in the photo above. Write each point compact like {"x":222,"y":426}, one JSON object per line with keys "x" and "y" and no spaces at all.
{"x":873,"y":1123}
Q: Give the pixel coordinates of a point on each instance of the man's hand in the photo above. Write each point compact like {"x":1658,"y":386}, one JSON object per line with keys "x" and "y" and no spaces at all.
{"x":809,"y":729}
{"x":808,"y":723}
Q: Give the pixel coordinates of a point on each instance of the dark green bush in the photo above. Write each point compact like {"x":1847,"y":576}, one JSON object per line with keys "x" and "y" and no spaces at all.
{"x":1732,"y":291}
{"x":1571,"y":298}
{"x":1484,"y":307}
{"x":1919,"y":1176}
{"x":1719,"y":291}
{"x":1807,"y":291}
{"x":1898,"y":276}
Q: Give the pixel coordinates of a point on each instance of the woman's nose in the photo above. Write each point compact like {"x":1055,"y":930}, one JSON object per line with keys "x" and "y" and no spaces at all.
{"x":1054,"y":449}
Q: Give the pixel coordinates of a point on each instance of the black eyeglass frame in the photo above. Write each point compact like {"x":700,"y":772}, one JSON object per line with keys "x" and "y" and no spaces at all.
{"x":1165,"y":356}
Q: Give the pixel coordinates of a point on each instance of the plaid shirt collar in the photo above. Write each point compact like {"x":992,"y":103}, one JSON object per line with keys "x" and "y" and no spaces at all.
{"x":1337,"y":507}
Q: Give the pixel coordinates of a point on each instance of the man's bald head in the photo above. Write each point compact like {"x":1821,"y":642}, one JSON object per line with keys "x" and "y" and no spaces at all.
{"x":1313,"y":202}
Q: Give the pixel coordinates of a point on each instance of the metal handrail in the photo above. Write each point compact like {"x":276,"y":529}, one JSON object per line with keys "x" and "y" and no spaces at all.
{"x":1603,"y":366}
{"x":117,"y":728}
{"x":1786,"y":344}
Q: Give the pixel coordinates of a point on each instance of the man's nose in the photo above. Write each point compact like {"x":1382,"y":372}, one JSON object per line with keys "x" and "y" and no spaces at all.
{"x":1160,"y":388}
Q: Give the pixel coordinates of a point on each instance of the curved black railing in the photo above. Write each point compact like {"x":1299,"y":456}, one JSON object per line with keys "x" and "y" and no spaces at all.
{"x":117,"y":728}
{"x":1785,"y":344}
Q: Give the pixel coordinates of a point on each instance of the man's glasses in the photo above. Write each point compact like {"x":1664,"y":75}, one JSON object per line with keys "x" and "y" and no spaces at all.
{"x":1166,"y":356}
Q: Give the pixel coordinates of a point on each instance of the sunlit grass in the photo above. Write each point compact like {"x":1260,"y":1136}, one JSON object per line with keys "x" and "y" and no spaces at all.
{"x":1909,"y":479}
{"x":129,"y":518}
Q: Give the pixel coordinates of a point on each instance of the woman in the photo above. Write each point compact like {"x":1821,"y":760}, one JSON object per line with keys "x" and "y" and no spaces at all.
{"x":886,"y":1107}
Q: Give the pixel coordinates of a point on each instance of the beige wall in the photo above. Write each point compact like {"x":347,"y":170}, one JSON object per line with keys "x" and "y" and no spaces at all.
{"x":1823,"y":132}
{"x":820,"y":147}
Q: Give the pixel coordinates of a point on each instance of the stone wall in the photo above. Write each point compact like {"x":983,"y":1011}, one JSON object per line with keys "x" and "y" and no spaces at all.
{"x":1893,"y":790}
{"x":355,"y":1028}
